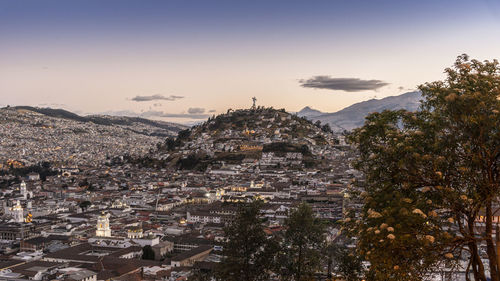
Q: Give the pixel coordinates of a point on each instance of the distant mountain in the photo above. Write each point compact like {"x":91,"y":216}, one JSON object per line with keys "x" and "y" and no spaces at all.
{"x":160,"y":128}
{"x":354,"y":116}
{"x":309,"y":112}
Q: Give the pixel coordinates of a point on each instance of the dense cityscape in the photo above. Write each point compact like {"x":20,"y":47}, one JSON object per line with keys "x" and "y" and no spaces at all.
{"x":249,"y":140}
{"x":74,"y":217}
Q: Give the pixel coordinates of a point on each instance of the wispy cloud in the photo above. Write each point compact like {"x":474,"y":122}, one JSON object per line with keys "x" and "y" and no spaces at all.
{"x":51,"y":105}
{"x":196,"y":110}
{"x":188,"y":115}
{"x":156,"y":97}
{"x":342,"y":84}
{"x":193,"y":113}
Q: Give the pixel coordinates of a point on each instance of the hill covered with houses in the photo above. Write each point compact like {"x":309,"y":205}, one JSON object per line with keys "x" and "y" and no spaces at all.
{"x":256,"y":138}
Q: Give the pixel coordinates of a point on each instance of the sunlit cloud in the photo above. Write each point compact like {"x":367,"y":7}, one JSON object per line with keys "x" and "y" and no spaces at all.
{"x":342,"y":84}
{"x":156,"y":97}
{"x":196,"y":110}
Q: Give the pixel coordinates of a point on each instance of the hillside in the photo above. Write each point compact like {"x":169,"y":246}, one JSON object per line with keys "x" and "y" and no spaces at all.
{"x":31,"y":135}
{"x":161,"y":128}
{"x":262,"y":137}
{"x":353,"y":116}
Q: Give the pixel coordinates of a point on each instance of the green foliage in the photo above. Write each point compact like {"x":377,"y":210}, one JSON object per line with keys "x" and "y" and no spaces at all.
{"x":428,"y":174}
{"x":346,"y":262}
{"x":184,"y":134}
{"x":43,"y":169}
{"x":85,"y":204}
{"x":171,"y":144}
{"x":230,"y":157}
{"x":83,"y":183}
{"x":286,"y":147}
{"x":199,"y":275}
{"x":249,"y":253}
{"x":193,"y":161}
{"x":148,"y":253}
{"x":326,"y":128}
{"x":303,"y":240}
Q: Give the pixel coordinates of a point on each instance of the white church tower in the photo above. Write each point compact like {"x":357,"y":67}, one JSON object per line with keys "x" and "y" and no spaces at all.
{"x":103,"y":229}
{"x":17,"y":212}
{"x":23,"y":190}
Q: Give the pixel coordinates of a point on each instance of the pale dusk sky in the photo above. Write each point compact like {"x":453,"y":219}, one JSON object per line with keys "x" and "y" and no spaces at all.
{"x":183,"y":60}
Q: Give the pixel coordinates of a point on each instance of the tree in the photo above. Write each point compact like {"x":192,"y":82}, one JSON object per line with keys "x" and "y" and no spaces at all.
{"x":302,"y":243}
{"x":344,"y":261}
{"x":430,"y":175}
{"x":148,"y":253}
{"x":183,"y":134}
{"x":326,"y":128}
{"x":198,"y":275}
{"x":83,"y":183}
{"x":202,"y":271}
{"x":248,"y":252}
{"x":85,"y":205}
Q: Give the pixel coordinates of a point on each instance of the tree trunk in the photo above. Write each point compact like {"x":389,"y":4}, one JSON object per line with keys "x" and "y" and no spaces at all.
{"x":299,"y":269}
{"x":490,"y":246}
{"x":329,"y":265}
{"x":477,"y":264}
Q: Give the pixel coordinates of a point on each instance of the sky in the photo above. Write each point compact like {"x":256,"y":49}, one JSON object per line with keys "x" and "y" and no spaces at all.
{"x":185,"y":60}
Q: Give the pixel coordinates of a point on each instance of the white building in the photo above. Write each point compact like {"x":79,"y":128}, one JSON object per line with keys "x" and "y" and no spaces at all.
{"x":17,"y":212}
{"x":103,"y":229}
{"x":23,"y":190}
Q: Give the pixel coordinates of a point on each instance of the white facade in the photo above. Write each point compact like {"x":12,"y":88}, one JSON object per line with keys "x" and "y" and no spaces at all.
{"x":135,"y":233}
{"x":103,"y":229}
{"x":23,"y":190}
{"x":17,"y":212}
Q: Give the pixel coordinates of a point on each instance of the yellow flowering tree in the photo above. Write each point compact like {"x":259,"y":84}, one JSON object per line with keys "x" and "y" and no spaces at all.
{"x":429,"y":175}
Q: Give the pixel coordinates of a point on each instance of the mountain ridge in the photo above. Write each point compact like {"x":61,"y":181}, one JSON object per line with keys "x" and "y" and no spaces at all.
{"x":354,"y":115}
{"x":99,"y":119}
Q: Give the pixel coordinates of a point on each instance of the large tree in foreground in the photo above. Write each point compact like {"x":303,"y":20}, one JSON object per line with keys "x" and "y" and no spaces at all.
{"x":430,"y":176}
{"x":248,"y":251}
{"x":303,"y":240}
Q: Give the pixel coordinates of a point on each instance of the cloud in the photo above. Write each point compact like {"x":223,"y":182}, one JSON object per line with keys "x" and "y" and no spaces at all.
{"x":120,"y":113}
{"x":342,"y":84}
{"x":156,"y":97}
{"x":51,"y":105}
{"x":212,"y":111}
{"x":153,"y":113}
{"x":196,"y":110}
{"x":189,"y":116}
{"x":157,"y":113}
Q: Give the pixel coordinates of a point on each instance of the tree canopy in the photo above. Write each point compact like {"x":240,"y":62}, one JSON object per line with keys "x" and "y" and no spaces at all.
{"x":249,"y":254}
{"x":252,"y":254}
{"x":302,"y":244}
{"x":431,"y":176}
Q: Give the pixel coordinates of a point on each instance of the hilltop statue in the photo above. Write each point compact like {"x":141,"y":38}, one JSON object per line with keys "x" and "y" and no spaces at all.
{"x":254,"y":99}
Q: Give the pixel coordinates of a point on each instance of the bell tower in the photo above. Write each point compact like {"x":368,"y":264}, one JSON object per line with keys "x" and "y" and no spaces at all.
{"x":17,"y":212}
{"x":102,"y":227}
{"x":23,"y":190}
